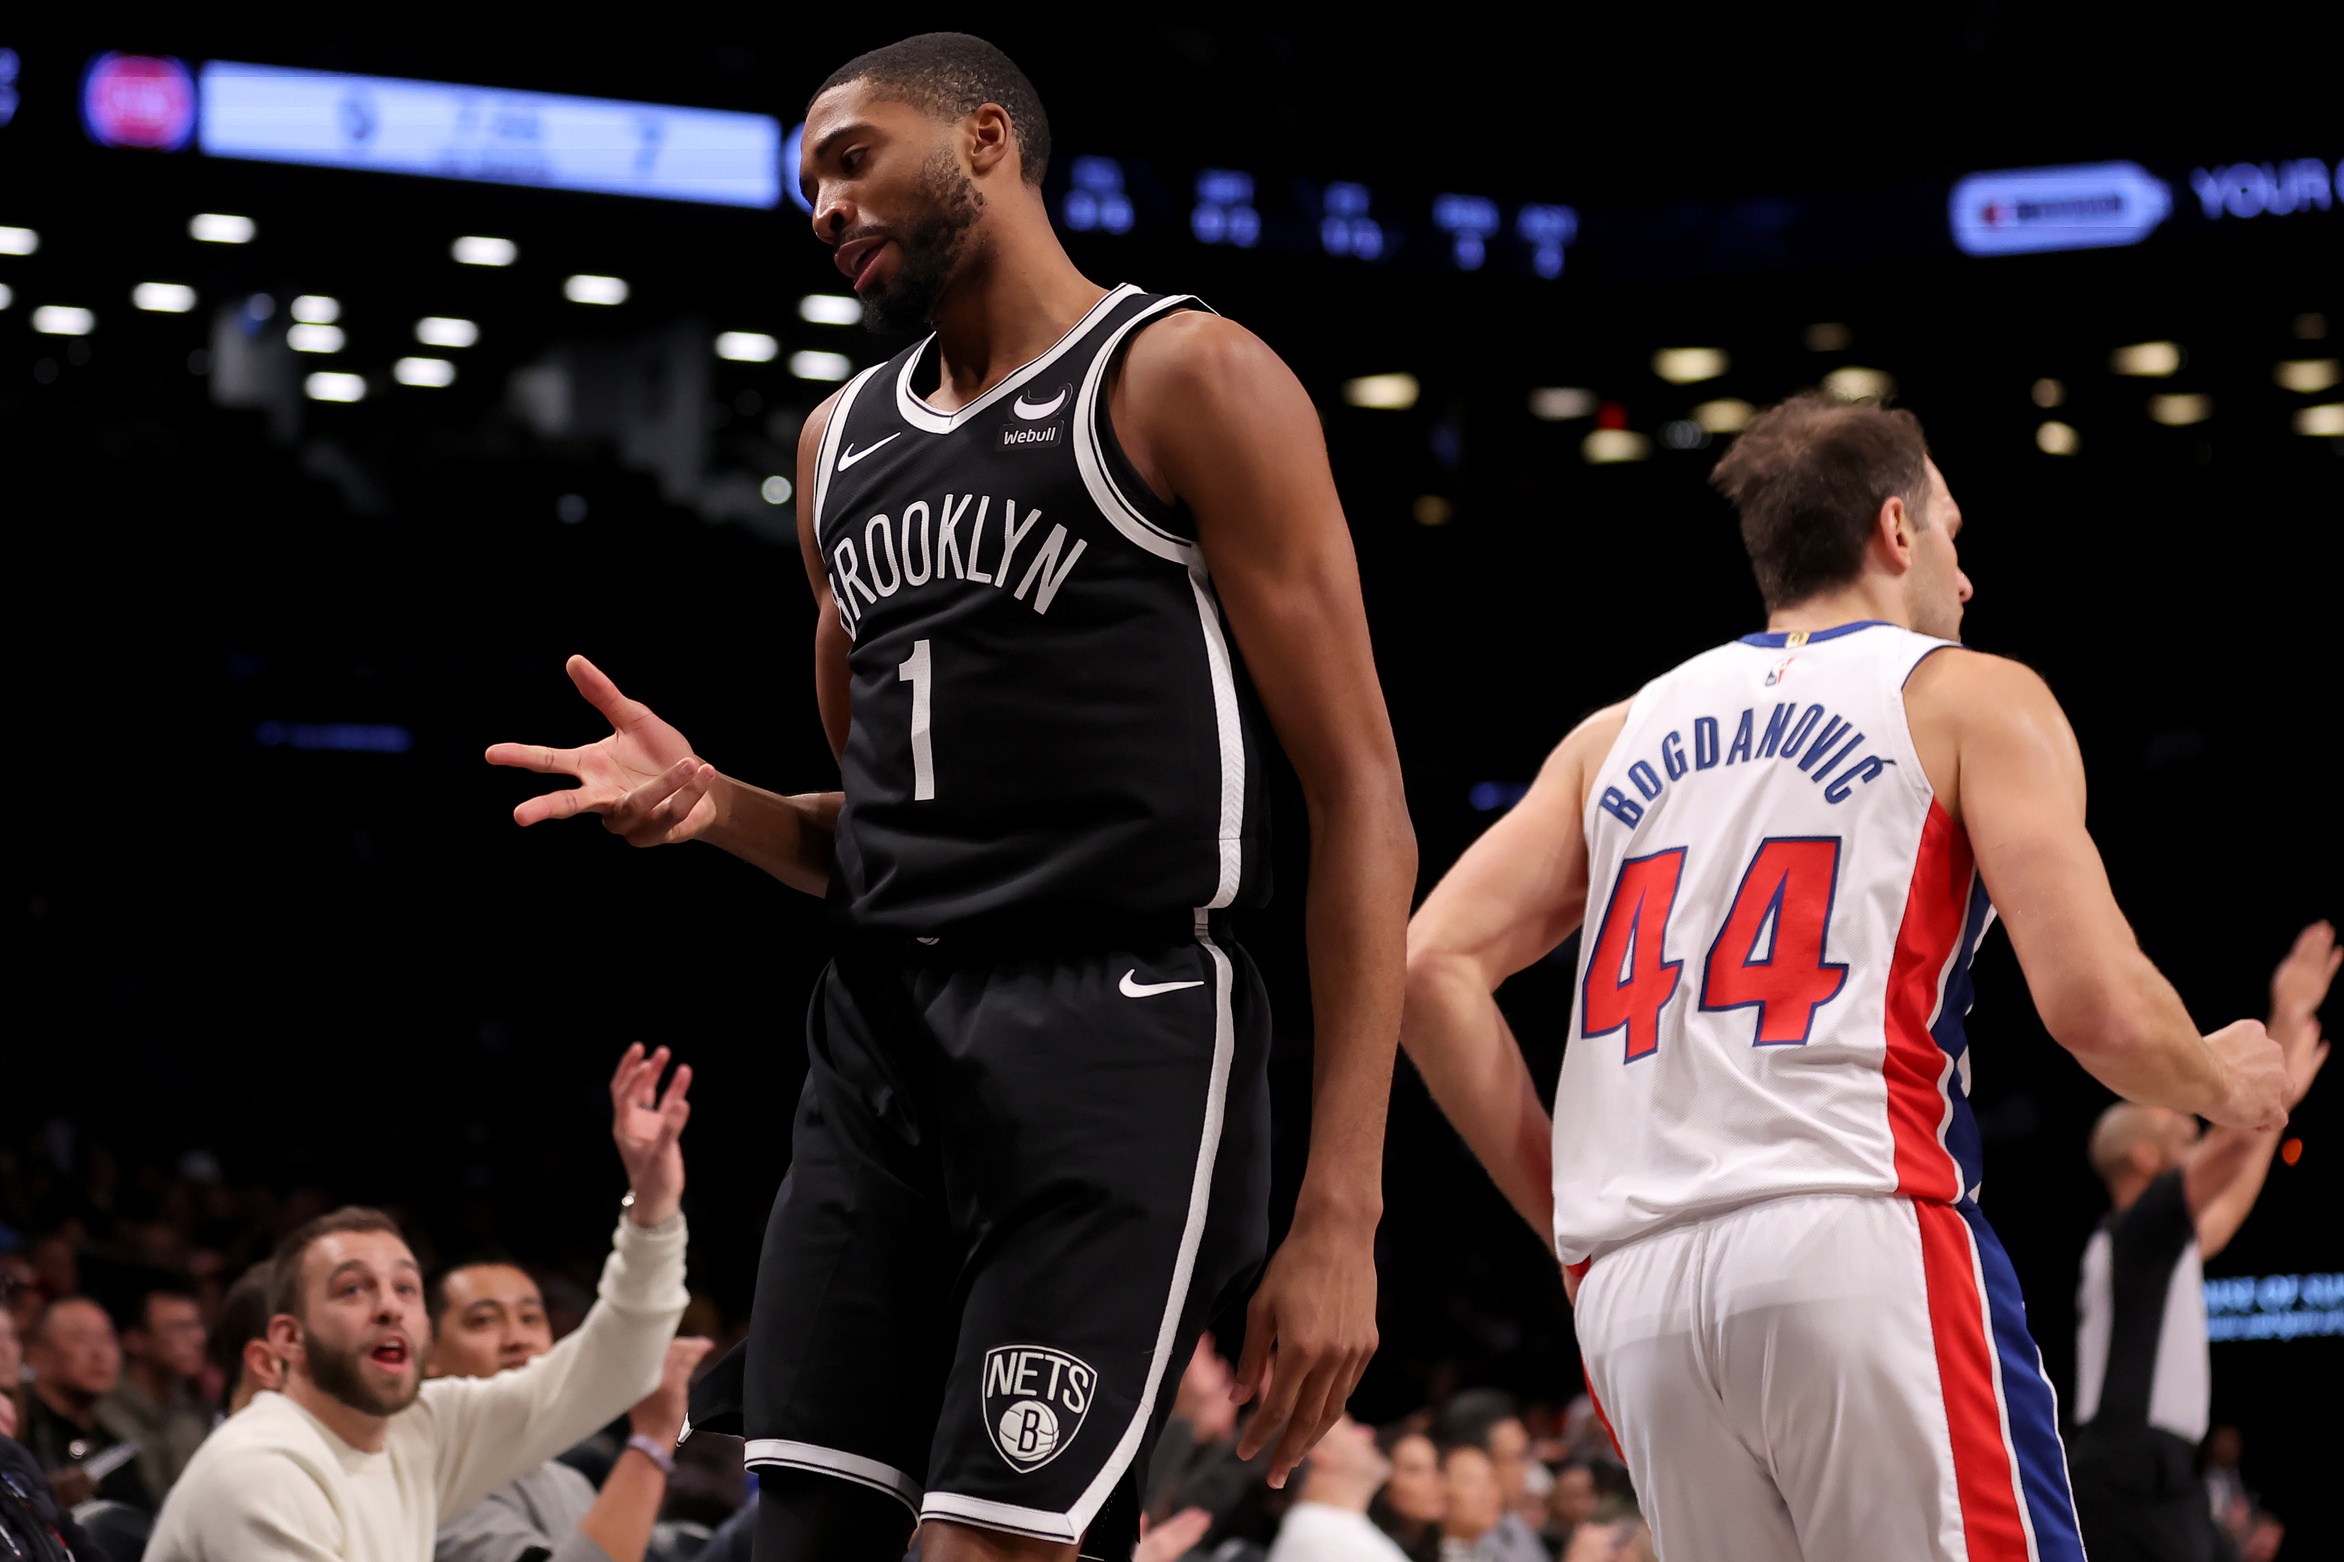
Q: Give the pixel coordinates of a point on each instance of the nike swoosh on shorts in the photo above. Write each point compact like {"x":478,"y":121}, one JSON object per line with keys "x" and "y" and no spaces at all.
{"x":1132,"y":989}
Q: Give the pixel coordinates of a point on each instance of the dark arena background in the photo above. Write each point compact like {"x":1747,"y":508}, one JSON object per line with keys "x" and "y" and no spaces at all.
{"x":304,"y":511}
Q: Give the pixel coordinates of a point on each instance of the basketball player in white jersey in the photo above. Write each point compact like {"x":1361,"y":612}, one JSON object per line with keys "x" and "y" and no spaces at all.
{"x":1762,"y":1173}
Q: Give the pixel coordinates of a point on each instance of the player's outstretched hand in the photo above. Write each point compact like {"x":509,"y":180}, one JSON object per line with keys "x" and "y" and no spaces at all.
{"x":2260,"y":1089}
{"x":1309,"y":1333}
{"x":2298,"y":988}
{"x":648,"y":1126}
{"x":644,"y":779}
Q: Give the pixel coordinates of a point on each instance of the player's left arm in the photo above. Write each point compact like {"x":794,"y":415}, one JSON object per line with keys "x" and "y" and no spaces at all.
{"x":2226,"y":1170}
{"x":1211,"y":416}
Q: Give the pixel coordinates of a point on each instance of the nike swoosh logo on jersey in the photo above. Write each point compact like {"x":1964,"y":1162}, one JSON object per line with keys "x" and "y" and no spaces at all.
{"x":1028,"y":410}
{"x":850,"y":455}
{"x":1132,"y":989}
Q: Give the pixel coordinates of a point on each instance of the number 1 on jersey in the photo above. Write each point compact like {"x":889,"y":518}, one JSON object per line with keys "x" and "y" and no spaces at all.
{"x":917,"y":671}
{"x":1629,"y":981}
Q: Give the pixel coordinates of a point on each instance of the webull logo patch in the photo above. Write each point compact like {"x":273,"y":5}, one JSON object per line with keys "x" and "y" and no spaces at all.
{"x":1035,"y":1400}
{"x":1026,"y":437}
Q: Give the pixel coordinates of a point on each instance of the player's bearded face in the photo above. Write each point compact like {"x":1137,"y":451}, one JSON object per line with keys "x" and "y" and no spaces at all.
{"x":935,"y":239}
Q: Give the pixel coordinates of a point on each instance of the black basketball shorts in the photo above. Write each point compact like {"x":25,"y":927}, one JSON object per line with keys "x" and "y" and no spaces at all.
{"x":1021,"y":1185}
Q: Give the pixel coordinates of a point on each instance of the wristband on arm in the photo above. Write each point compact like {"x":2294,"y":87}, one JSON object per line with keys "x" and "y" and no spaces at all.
{"x":651,"y":1450}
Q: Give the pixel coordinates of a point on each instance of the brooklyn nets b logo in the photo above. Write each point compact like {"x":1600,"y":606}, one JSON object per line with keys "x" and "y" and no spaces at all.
{"x":1035,"y":1401}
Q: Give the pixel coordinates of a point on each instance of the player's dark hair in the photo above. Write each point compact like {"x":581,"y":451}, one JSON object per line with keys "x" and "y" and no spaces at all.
{"x":285,"y":1263}
{"x":1809,"y":477}
{"x":1469,"y":1418}
{"x":949,"y":75}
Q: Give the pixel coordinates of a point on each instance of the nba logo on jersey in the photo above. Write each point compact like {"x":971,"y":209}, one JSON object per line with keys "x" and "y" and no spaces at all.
{"x":1035,"y":1401}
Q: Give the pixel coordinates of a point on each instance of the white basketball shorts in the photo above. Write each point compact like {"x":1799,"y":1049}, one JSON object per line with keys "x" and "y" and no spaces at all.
{"x":1833,"y":1378}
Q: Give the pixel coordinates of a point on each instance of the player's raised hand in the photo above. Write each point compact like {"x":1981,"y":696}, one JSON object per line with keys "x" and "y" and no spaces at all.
{"x":2298,"y":988}
{"x":2260,"y":1089}
{"x":1309,"y":1334}
{"x":648,"y":1125}
{"x":644,"y":779}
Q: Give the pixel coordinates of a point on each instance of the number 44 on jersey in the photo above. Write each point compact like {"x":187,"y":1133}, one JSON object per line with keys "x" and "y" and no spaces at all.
{"x":1769,"y":955}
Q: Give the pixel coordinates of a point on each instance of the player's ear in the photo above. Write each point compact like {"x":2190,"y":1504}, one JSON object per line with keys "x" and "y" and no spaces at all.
{"x":1892,"y":530}
{"x":988,"y":137}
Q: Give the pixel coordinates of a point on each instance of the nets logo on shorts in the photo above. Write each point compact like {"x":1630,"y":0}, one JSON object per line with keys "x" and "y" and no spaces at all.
{"x":1035,"y":1399}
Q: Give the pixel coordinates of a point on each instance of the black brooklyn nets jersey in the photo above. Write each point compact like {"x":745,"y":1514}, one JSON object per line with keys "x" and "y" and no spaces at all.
{"x":1050,"y":720}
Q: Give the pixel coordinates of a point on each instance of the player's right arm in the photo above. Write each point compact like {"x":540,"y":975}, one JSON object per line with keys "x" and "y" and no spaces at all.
{"x":2003,"y":761}
{"x":652,"y":790}
{"x":1514,"y":895}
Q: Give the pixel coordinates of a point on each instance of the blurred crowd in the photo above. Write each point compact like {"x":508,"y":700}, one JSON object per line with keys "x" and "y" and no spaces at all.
{"x":138,"y":1300}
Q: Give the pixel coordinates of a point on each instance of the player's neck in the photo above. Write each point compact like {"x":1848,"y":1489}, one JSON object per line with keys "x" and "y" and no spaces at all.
{"x":1864,"y":600}
{"x":1019,"y":295}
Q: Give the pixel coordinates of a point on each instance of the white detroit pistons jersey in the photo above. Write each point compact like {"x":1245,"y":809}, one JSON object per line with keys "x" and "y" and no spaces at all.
{"x":1775,"y":962}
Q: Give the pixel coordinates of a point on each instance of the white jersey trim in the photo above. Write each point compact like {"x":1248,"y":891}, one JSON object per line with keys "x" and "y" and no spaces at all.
{"x":1090,"y":457}
{"x":834,"y":1461}
{"x":927,"y":419}
{"x":1071,"y":1524}
{"x":833,"y":435}
{"x":1231,"y":730}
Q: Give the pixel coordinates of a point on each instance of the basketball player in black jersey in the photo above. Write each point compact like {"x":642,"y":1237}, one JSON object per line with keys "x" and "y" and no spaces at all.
{"x":1063,"y":551}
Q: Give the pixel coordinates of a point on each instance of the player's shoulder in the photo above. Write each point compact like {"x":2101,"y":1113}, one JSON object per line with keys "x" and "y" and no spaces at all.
{"x":1976,"y":680}
{"x":1196,"y":349}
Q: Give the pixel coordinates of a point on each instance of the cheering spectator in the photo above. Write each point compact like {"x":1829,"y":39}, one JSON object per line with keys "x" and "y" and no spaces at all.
{"x":156,"y":1404}
{"x":76,"y":1362}
{"x":487,"y":1318}
{"x":240,"y":1349}
{"x":1329,"y":1522}
{"x":1485,"y":1418}
{"x":1410,"y":1506}
{"x":357,"y":1457}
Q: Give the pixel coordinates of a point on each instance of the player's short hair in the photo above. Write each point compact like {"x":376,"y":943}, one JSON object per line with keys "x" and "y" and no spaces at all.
{"x":285,"y":1263}
{"x":1808,"y":478}
{"x":2122,"y":1126}
{"x":949,"y":75}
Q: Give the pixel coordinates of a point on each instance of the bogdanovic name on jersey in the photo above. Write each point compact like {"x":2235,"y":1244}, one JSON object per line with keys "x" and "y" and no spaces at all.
{"x":1819,"y":741}
{"x":924,"y":546}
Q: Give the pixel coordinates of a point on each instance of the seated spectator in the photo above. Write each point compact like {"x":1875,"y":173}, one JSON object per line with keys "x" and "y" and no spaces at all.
{"x":1410,"y":1506}
{"x":1570,"y":1504}
{"x":1475,"y":1504}
{"x":76,"y":1362}
{"x":357,"y":1457}
{"x":1329,"y":1522}
{"x":157,"y":1405}
{"x":487,"y":1318}
{"x":1486,"y":1418}
{"x":239,"y":1345}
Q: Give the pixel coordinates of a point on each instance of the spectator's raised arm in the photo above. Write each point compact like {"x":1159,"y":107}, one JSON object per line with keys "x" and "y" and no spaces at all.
{"x":488,"y":1430}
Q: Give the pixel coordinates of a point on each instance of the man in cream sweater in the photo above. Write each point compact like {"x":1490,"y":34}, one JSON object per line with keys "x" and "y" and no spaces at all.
{"x":357,"y":1458}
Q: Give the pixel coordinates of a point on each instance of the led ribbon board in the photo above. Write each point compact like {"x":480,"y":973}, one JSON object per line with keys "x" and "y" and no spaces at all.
{"x":271,"y":114}
{"x":2027,"y":210}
